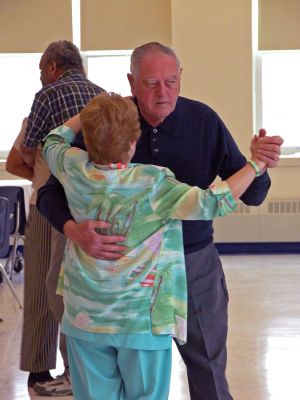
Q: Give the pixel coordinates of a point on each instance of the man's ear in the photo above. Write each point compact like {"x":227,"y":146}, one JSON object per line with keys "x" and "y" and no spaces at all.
{"x":54,"y":70}
{"x":52,"y":66}
{"x":131,"y":82}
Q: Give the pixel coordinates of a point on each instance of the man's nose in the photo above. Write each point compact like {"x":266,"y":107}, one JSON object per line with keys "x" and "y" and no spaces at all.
{"x":161,"y":89}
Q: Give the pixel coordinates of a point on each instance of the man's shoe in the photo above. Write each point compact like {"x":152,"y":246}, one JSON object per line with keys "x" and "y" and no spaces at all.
{"x":35,"y":377}
{"x":60,"y":386}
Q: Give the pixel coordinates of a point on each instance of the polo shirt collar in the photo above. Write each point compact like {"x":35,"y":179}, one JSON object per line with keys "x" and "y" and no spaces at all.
{"x":171,"y":125}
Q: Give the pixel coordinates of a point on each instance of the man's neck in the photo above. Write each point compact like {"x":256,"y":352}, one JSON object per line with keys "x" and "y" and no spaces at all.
{"x":153,"y":122}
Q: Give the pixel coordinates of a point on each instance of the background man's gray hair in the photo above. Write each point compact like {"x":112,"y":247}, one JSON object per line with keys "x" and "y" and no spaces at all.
{"x":152,"y":47}
{"x":65,"y":54}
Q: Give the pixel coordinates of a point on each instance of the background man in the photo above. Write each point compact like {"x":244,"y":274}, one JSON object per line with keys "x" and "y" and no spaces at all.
{"x":189,"y":138}
{"x":65,"y":92}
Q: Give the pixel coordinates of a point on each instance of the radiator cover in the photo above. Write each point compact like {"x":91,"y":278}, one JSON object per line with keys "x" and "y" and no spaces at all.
{"x":273,"y":221}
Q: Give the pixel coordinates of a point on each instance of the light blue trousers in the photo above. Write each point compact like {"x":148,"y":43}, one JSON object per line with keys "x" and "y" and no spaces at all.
{"x":104,"y":372}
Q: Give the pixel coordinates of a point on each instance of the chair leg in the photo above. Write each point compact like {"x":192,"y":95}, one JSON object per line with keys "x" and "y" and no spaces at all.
{"x":10,"y":285}
{"x":9,"y":266}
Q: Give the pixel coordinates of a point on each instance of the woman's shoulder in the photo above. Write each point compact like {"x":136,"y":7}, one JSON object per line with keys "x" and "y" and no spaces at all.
{"x":154,"y":170}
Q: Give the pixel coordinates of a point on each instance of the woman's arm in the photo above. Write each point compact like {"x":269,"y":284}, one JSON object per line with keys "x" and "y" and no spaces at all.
{"x":58,"y":142}
{"x":74,"y":123}
{"x":176,"y":200}
{"x":56,"y":145}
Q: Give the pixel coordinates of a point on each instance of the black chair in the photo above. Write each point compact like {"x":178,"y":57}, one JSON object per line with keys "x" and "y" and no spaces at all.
{"x":4,"y":240}
{"x":15,"y":194}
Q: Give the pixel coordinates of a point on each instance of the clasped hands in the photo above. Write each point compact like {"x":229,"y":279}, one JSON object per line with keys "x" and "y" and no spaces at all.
{"x":266,"y":148}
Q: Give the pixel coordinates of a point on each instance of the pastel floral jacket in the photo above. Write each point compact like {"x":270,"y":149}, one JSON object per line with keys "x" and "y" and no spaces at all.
{"x":146,"y":288}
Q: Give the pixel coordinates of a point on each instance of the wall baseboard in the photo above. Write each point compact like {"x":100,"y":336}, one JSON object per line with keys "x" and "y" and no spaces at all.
{"x":249,"y":248}
{"x":259,"y":248}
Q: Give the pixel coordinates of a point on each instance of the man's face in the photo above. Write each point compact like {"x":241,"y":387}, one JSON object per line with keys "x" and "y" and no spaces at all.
{"x":46,"y":68}
{"x":156,"y":86}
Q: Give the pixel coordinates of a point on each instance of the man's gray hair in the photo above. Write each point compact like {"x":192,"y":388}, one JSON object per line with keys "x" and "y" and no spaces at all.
{"x":148,"y":48}
{"x":65,"y":54}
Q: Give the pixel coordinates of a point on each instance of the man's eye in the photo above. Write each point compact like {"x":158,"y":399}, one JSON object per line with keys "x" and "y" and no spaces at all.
{"x":151,"y":84}
{"x":171,"y":82}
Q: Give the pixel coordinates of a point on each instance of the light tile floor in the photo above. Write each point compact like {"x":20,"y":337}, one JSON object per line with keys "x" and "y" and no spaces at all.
{"x":263,"y":342}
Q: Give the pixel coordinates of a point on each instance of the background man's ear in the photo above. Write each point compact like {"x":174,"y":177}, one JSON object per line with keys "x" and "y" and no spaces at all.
{"x":52,"y":66}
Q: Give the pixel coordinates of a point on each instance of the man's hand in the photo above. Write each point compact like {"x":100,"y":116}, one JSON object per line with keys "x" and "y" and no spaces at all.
{"x":95,"y":245}
{"x":267,"y":148}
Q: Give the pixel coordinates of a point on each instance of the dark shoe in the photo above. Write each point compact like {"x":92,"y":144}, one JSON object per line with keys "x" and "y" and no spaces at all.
{"x":35,"y":377}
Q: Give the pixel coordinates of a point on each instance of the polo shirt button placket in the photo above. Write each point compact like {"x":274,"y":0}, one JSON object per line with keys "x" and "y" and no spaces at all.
{"x":155,"y":150}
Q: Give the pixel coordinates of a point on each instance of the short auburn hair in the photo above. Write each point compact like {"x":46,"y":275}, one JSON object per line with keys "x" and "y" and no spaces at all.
{"x":110,"y":124}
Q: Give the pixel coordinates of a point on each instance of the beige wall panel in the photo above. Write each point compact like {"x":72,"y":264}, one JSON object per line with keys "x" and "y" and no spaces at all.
{"x":119,"y":24}
{"x":213,"y":40}
{"x":279,"y":24}
{"x":29,"y":26}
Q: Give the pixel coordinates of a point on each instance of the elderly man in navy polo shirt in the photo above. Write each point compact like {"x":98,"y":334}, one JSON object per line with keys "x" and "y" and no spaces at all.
{"x":189,"y":138}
